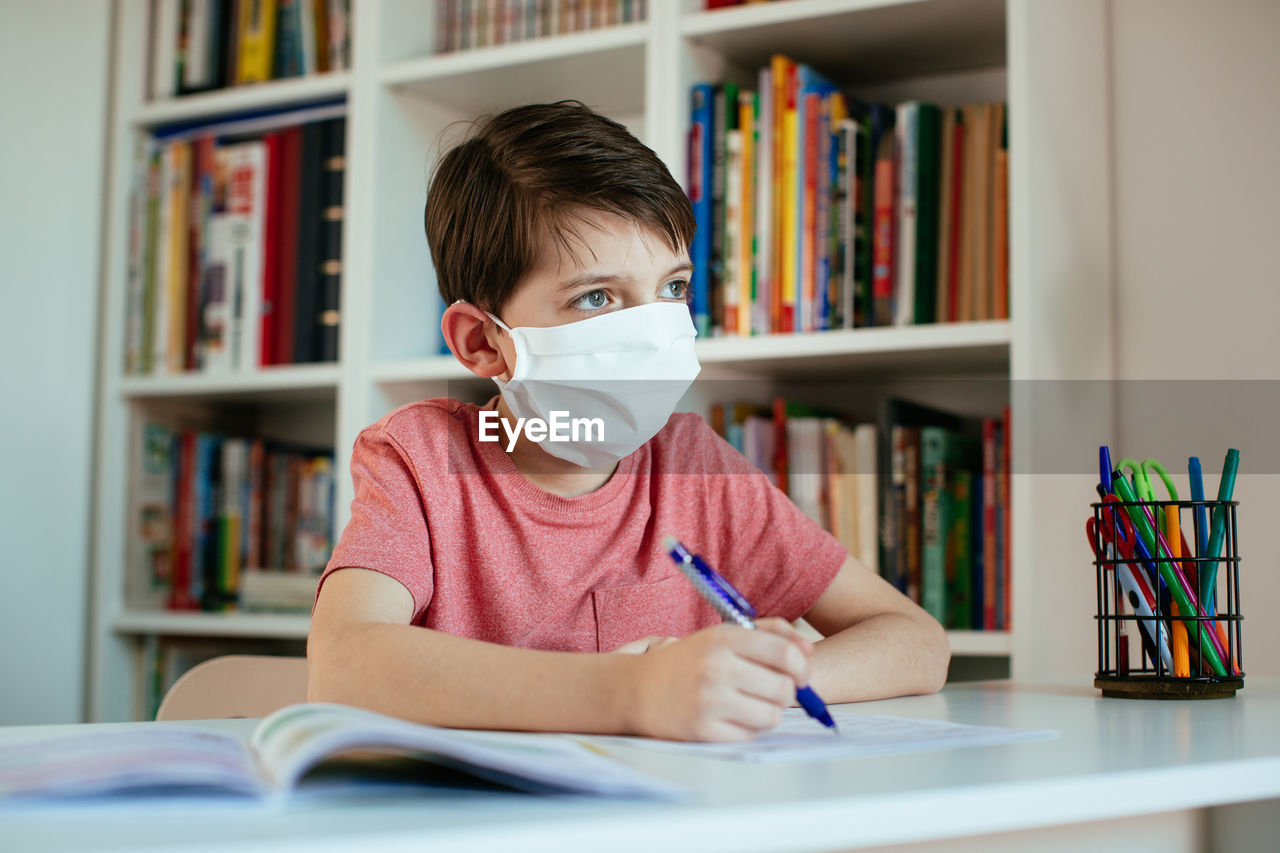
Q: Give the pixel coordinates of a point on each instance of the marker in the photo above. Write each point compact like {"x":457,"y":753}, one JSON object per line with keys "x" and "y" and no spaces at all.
{"x":733,"y":607}
{"x":1196,"y":477}
{"x":1104,"y":468}
{"x":1226,"y":487}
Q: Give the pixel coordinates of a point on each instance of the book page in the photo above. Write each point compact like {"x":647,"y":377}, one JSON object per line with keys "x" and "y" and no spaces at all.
{"x":152,"y":758}
{"x":801,"y":738}
{"x":298,"y":738}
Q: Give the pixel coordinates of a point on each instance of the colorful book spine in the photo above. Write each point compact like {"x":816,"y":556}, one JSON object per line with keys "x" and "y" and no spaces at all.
{"x":724,"y":120}
{"x":764,"y":218}
{"x":328,"y":319}
{"x":256,"y":39}
{"x":935,"y":521}
{"x":789,"y":192}
{"x":748,"y":106}
{"x":732,"y":244}
{"x":990,"y":568}
{"x":959,"y":555}
{"x":882,"y":275}
{"x":699,"y":183}
{"x":907,"y":143}
{"x":928,"y":201}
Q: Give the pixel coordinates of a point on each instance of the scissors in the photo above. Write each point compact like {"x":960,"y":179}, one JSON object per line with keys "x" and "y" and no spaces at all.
{"x":1118,"y":536}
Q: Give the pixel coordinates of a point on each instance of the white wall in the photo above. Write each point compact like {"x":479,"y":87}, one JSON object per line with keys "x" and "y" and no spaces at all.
{"x":53,"y":97}
{"x":1197,"y":190}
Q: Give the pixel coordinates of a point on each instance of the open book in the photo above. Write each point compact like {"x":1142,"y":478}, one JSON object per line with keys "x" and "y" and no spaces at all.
{"x":298,"y":739}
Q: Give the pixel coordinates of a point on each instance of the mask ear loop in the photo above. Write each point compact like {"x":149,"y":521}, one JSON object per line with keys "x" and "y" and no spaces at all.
{"x":492,"y":317}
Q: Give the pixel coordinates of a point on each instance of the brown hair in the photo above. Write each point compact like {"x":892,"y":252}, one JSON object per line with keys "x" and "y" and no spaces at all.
{"x":530,"y":174}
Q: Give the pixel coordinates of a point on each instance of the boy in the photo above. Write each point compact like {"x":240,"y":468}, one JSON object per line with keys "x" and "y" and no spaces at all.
{"x":520,"y":583}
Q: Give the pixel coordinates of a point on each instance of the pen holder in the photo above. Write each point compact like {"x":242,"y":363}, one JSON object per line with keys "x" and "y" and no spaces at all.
{"x":1149,"y":647}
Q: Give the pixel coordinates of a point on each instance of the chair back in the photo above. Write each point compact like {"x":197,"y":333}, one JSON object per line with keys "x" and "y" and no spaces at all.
{"x":236,"y":686}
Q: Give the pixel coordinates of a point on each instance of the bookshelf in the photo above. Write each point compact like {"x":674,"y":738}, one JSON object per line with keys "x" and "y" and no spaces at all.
{"x":402,"y":106}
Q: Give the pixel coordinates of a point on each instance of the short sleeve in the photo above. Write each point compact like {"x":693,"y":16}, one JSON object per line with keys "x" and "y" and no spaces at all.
{"x":778,"y":557}
{"x":388,"y":528}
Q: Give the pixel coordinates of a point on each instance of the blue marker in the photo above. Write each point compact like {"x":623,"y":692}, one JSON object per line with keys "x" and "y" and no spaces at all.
{"x":1104,"y":468}
{"x":732,"y":607}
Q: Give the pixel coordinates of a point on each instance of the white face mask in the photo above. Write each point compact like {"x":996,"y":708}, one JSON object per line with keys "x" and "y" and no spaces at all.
{"x":626,"y":368}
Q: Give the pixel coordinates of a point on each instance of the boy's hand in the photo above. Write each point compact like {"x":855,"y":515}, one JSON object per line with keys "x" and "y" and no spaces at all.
{"x":722,"y":683}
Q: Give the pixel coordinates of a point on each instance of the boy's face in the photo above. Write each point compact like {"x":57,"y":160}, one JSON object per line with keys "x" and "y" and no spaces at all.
{"x":619,"y":264}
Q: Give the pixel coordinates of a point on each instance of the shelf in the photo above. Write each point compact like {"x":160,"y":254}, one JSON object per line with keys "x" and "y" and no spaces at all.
{"x":287,"y":382}
{"x":282,"y":626}
{"x":859,"y":40}
{"x":919,"y":351}
{"x":980,"y":643}
{"x":604,"y":68}
{"x":277,"y":93}
{"x":963,"y":348}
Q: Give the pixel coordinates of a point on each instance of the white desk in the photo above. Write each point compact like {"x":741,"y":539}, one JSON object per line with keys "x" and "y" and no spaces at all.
{"x":1122,"y":771}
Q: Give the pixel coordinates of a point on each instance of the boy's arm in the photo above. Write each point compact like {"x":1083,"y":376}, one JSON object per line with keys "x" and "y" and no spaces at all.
{"x":722,"y":683}
{"x":878,"y":642}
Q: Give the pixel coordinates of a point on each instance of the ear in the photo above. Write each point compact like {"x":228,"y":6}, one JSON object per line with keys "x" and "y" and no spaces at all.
{"x":473,"y":339}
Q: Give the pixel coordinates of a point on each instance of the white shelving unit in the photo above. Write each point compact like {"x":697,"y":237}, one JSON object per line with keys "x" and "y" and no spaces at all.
{"x":404,"y":106}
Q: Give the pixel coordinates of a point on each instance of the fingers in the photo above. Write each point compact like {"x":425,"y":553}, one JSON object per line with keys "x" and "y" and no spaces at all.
{"x":772,"y":648}
{"x":783,"y":628}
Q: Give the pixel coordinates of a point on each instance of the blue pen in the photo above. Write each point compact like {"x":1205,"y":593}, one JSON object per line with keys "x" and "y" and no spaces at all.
{"x":1196,"y":476}
{"x":732,"y":607}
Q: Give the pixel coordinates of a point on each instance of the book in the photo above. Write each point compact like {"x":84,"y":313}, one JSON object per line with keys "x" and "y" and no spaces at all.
{"x":730,"y":287}
{"x":287,"y":269}
{"x":699,"y":183}
{"x":1004,"y":540}
{"x":906,"y":175}
{"x":959,"y":552}
{"x":1000,"y":225}
{"x":907,"y":439}
{"x":151,"y":521}
{"x":944,"y":455}
{"x":339,"y":742}
{"x":724,"y":119}
{"x":882,"y":251}
{"x":256,"y":37}
{"x":895,"y":412}
{"x":328,"y":316}
{"x":763,"y":205}
{"x":748,"y":106}
{"x":165,"y":34}
{"x":864,"y":436}
{"x":946,"y":213}
{"x":990,"y":568}
{"x":242,"y":232}
{"x":311,"y":179}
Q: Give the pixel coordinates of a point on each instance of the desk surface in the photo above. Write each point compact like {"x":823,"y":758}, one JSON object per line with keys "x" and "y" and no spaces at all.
{"x":1114,"y":758}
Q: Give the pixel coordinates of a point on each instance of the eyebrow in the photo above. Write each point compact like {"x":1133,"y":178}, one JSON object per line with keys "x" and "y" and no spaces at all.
{"x":583,"y":279}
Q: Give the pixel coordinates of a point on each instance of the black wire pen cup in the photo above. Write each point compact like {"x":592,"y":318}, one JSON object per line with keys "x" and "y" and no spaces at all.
{"x":1181,"y":653}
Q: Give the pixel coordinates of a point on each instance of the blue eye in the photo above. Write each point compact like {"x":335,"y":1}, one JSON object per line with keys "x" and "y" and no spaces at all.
{"x":593,"y":301}
{"x":676,"y":289}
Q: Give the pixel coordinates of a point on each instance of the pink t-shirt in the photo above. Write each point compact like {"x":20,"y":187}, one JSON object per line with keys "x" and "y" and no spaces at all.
{"x":488,"y":555}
